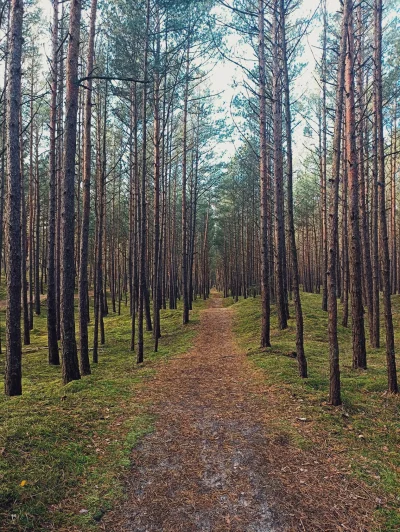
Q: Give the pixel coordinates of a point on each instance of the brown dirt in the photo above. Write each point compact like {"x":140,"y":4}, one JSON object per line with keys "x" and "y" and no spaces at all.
{"x":216,"y":461}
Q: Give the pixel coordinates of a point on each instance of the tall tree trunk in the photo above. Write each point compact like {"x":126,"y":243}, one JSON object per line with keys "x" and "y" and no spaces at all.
{"x":54,"y":357}
{"x":324,"y":166}
{"x":60,"y":166}
{"x":100,"y":257}
{"x":301,"y":358}
{"x":87,"y":163}
{"x":31,"y":202}
{"x":345,"y":244}
{"x":365,"y":241}
{"x":278,"y":172}
{"x":70,"y":365}
{"x":357,"y":310}
{"x":384,"y":246}
{"x":134,"y":208}
{"x":265,"y":288}
{"x":185,"y":291}
{"x":393,"y":213}
{"x":24,"y":280}
{"x":157,"y":170}
{"x":375,"y":236}
{"x":37,"y":228}
{"x":334,"y":384}
{"x":143,"y":223}
{"x":13,"y":369}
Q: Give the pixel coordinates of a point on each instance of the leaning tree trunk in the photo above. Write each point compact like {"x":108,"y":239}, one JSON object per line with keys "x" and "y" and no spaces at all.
{"x":70,"y":365}
{"x":13,"y":378}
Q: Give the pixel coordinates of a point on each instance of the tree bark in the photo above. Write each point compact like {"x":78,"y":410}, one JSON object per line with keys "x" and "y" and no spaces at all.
{"x":357,"y":309}
{"x":265,"y":288}
{"x":54,"y":356}
{"x":384,"y":245}
{"x":87,"y":163}
{"x":185,"y":291}
{"x":301,"y":358}
{"x":143,"y":224}
{"x":70,"y":365}
{"x":278,"y":173}
{"x":13,"y":365}
{"x":334,"y":379}
{"x":324,"y":167}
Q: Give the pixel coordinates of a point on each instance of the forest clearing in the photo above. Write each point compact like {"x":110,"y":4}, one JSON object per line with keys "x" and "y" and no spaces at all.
{"x":199,"y":265}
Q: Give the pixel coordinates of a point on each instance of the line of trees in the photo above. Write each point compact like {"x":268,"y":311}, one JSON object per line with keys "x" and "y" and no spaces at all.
{"x":341,"y":239}
{"x":114,"y":194}
{"x":106,"y":172}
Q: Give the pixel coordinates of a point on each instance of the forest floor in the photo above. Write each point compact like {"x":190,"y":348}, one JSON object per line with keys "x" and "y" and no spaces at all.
{"x":64,"y":449}
{"x":360,"y":439}
{"x":210,"y":434}
{"x":219,"y":458}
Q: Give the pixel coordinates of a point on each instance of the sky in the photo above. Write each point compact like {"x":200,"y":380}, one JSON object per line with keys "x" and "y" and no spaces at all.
{"x":225,"y":77}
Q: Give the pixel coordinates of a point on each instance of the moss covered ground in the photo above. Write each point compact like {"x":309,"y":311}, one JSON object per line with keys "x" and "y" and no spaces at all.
{"x":365,"y":431}
{"x":64,"y":450}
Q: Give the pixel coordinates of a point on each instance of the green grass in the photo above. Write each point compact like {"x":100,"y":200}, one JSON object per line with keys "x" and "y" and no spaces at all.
{"x":366,"y":429}
{"x":70,"y":446}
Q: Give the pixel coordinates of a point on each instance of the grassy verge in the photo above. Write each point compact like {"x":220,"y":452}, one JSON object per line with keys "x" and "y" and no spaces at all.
{"x":64,"y":450}
{"x":366,"y":430}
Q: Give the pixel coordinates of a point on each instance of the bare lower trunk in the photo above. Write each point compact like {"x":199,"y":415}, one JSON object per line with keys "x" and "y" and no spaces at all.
{"x":54,"y":357}
{"x":334,"y":386}
{"x":87,"y":162}
{"x":143,"y":225}
{"x":265,"y":288}
{"x":278,"y":174}
{"x":13,"y":369}
{"x":357,"y":309}
{"x":70,"y":365}
{"x":384,"y":246}
{"x":301,"y":358}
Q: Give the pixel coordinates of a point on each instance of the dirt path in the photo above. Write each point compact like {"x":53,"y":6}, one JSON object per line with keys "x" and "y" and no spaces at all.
{"x":212,"y":464}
